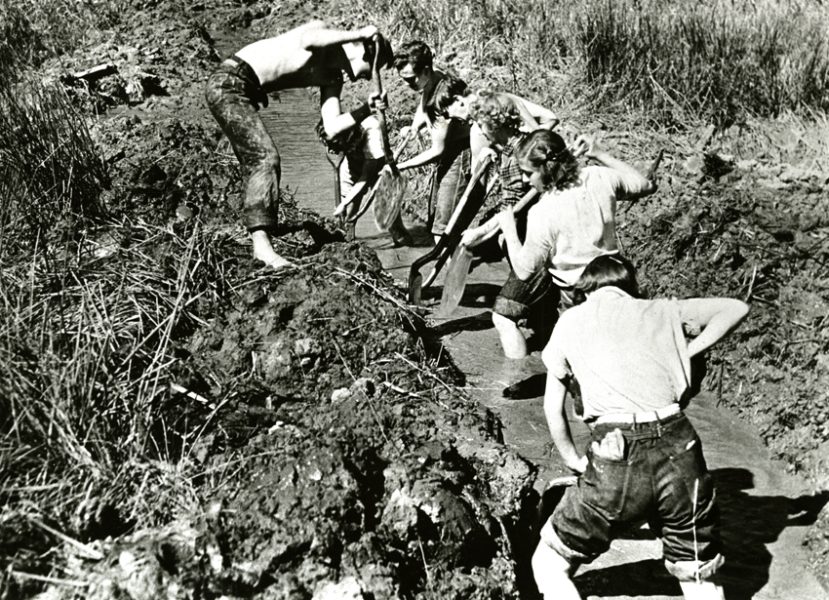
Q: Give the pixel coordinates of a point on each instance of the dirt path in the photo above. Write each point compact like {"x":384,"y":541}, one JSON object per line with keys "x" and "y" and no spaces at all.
{"x":765,"y":512}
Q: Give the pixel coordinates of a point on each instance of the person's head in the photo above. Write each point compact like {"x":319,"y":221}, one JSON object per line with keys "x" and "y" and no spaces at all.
{"x":413,"y":62}
{"x":496,"y":114}
{"x":606,"y":270}
{"x":545,"y":161}
{"x":360,"y":57}
{"x":345,"y":142}
{"x":452,"y":98}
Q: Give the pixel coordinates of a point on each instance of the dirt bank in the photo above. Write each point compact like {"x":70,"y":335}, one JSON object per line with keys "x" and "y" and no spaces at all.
{"x":300,"y":435}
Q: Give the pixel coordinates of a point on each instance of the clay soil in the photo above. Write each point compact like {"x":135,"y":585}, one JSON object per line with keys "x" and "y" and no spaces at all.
{"x":310,"y":439}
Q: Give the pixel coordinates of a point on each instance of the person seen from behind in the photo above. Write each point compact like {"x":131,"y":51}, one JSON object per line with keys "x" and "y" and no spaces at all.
{"x":632,"y":360}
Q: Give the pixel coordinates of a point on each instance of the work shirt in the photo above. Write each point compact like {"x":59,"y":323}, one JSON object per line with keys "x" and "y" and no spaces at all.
{"x":566,"y":229}
{"x":628,"y":355}
{"x":513,"y":186}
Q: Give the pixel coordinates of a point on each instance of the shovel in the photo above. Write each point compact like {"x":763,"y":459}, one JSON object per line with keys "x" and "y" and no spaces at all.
{"x":461,"y":218}
{"x":455,"y":282}
{"x":368,"y":197}
{"x":391,"y":185}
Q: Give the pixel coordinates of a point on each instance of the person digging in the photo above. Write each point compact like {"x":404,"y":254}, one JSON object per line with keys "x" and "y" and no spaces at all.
{"x":632,"y":361}
{"x":572,"y":223}
{"x":311,"y":55}
{"x":449,"y":149}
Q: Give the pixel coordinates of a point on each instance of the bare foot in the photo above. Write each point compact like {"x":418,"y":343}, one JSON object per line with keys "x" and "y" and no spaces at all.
{"x":263,"y":251}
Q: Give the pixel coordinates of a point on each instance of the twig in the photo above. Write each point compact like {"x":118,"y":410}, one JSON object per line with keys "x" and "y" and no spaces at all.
{"x":83,"y":548}
{"x":751,"y":284}
{"x":45,"y":579}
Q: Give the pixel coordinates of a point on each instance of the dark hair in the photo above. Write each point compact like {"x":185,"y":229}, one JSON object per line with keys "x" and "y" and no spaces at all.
{"x":606,"y":270}
{"x":345,"y":142}
{"x":546,"y":152}
{"x":447,"y":90}
{"x":415,"y":53}
{"x":385,"y":52}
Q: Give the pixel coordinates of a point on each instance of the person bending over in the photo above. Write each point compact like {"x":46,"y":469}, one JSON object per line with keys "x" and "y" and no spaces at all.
{"x":311,"y":55}
{"x":645,"y":463}
{"x":573,"y":222}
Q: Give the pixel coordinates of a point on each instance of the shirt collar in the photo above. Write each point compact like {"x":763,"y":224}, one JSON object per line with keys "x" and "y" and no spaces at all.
{"x":608,"y":291}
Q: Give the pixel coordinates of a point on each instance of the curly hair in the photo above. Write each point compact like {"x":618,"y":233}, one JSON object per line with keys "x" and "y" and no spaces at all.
{"x":545,"y":152}
{"x":496,"y":110}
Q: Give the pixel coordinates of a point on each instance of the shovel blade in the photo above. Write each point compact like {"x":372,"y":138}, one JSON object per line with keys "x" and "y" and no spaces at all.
{"x":388,"y":199}
{"x":455,"y":282}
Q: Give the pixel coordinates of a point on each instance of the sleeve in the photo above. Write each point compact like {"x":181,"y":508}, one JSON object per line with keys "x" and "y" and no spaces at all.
{"x":553,"y":355}
{"x":372,"y":139}
{"x":512,"y":184}
{"x":539,"y":242}
{"x":620,"y":183}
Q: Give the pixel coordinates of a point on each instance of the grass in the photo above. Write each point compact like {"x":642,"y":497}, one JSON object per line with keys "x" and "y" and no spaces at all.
{"x":717,"y":59}
{"x":32,"y":31}
{"x":51,"y":168}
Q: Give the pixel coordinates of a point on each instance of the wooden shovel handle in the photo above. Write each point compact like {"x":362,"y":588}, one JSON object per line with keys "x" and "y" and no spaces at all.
{"x":381,"y":114}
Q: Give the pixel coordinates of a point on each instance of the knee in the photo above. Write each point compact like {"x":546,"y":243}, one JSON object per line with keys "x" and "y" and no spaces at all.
{"x":691,"y":570}
{"x":549,"y":567}
{"x":503,"y":323}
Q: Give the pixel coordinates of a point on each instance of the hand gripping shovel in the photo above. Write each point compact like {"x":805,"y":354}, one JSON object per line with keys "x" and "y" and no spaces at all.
{"x":367,"y":198}
{"x":455,"y":282}
{"x":461,"y":218}
{"x":391,"y":185}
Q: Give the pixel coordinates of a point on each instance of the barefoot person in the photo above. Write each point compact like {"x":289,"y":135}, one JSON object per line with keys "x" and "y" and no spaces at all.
{"x":449,"y":148}
{"x":573,"y":222}
{"x":632,"y":361}
{"x":312,"y":55}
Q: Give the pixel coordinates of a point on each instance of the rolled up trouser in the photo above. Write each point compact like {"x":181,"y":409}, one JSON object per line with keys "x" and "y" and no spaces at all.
{"x":234,"y":96}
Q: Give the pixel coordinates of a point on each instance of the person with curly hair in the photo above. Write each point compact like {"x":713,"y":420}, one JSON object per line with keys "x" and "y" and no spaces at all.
{"x":572,"y":223}
{"x":311,"y":55}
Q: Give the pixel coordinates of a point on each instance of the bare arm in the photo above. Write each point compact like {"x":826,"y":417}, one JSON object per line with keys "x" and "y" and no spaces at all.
{"x":534,"y":115}
{"x":317,"y":34}
{"x":439,"y":132}
{"x":554,"y":396}
{"x":716,"y":316}
{"x":636,"y":184}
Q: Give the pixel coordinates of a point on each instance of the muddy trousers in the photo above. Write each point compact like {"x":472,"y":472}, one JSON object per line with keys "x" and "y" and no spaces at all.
{"x":234,"y":96}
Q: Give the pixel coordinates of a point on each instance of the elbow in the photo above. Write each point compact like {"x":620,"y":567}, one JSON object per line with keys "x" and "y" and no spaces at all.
{"x":522,"y":271}
{"x":740,"y":311}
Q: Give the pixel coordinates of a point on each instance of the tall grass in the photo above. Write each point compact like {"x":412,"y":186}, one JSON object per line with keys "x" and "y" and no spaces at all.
{"x":714,"y":59}
{"x":49,"y":165}
{"x":33,"y":30}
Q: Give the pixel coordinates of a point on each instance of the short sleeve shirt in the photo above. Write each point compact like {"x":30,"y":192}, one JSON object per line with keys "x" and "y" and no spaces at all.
{"x":628,"y":355}
{"x":568,"y":228}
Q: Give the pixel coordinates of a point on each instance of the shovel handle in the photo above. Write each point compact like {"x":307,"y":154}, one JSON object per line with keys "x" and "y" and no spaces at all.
{"x":381,"y":113}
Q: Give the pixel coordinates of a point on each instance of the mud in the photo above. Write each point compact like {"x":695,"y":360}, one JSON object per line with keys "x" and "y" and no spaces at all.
{"x":312,"y":439}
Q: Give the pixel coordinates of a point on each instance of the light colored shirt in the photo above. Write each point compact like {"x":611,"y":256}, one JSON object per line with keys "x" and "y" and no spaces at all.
{"x":566,"y":229}
{"x":628,"y":355}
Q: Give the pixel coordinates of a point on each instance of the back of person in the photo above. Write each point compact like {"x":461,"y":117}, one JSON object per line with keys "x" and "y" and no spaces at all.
{"x":629,"y":355}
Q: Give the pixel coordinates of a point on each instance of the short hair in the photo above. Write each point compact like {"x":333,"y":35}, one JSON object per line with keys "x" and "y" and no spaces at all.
{"x":345,"y":142}
{"x":606,"y":270}
{"x":496,"y":110}
{"x":385,"y":52}
{"x":447,"y":90}
{"x":547,"y":153}
{"x":415,"y":53}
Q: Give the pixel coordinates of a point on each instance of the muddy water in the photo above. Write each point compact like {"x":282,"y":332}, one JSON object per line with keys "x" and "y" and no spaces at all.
{"x":765,"y":513}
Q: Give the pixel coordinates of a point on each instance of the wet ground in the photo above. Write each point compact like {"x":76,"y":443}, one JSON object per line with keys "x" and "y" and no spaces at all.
{"x":765,"y":512}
